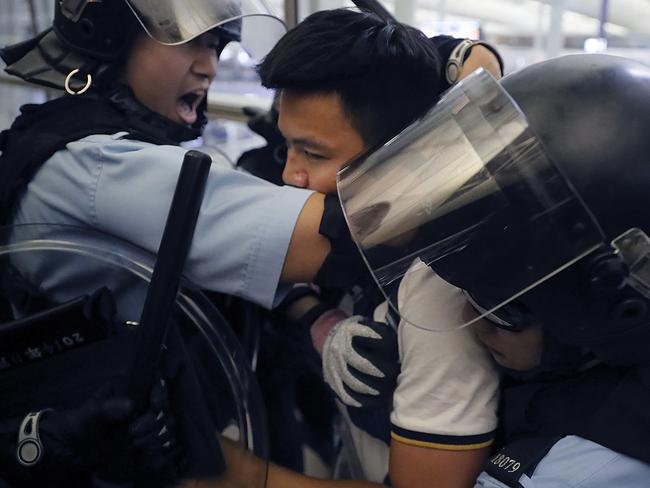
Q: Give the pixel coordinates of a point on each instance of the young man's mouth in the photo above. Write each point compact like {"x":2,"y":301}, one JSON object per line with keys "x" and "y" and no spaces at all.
{"x":187,"y":106}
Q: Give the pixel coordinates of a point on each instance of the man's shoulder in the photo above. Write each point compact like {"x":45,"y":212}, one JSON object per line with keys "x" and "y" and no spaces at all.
{"x":118,"y":151}
{"x":578,"y":462}
{"x":585,"y":463}
{"x":118,"y":142}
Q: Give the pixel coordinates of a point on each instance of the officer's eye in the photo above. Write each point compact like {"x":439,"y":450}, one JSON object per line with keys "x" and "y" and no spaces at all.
{"x":210,"y":41}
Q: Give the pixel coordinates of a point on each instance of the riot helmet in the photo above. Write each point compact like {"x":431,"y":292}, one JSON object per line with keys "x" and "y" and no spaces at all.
{"x":526,"y":195}
{"x":92,"y":37}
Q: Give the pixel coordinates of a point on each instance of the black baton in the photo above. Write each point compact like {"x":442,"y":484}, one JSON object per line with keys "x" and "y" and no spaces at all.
{"x":165,"y":280}
{"x":197,"y":430}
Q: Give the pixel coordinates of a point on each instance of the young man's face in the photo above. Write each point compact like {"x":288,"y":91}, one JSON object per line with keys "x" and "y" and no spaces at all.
{"x":519,"y":351}
{"x":320,"y":139}
{"x":173,"y":80}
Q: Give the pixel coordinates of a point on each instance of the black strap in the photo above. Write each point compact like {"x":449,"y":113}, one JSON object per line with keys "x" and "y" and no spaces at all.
{"x":519,"y":458}
{"x":56,"y":329}
{"x":344,"y":265}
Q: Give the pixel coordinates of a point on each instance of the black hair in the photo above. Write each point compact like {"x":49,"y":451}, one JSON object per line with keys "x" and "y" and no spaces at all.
{"x":386,"y":73}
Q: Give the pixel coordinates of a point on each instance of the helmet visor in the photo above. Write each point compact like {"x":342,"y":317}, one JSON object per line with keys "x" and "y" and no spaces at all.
{"x":468,"y":192}
{"x":251,"y":22}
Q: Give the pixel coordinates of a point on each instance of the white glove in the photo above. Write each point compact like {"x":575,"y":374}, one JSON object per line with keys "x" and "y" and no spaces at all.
{"x":360,"y":362}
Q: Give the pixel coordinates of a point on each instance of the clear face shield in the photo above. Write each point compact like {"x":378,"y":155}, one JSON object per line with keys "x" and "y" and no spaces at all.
{"x":178,"y":21}
{"x":61,"y":63}
{"x":55,"y":265}
{"x":468,"y":196}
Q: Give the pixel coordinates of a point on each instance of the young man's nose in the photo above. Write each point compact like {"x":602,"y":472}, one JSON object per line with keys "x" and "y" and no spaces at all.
{"x":294,"y":175}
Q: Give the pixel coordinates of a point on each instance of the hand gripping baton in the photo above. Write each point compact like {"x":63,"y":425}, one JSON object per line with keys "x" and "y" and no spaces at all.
{"x":196,"y":429}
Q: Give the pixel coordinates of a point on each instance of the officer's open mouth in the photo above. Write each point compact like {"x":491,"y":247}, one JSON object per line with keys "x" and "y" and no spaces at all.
{"x":188,"y":105}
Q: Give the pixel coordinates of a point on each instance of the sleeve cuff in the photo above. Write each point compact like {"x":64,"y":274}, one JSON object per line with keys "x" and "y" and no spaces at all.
{"x":276,"y":230}
{"x":444,"y":442}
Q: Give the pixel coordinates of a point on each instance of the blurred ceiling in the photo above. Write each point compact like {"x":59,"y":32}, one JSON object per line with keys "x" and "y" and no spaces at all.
{"x":524,"y":17}
{"x":626,"y":18}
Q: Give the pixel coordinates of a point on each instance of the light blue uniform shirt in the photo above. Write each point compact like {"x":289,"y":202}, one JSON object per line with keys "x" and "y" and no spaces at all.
{"x":574,"y":462}
{"x":124,"y":188}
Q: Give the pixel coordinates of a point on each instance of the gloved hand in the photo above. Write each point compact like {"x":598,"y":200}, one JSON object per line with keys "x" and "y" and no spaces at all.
{"x":361,"y":362}
{"x":266,"y":162}
{"x":89,"y":440}
{"x":154,"y":453}
{"x":64,"y":446}
{"x":153,"y":435}
{"x":264,"y":123}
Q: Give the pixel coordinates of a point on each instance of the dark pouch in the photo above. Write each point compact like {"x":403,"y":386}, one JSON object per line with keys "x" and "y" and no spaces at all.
{"x":59,"y":356}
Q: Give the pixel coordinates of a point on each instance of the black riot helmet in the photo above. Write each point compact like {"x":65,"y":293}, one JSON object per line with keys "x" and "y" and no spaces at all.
{"x":103,"y":30}
{"x":530,"y":196}
{"x":100,"y":30}
{"x":93,"y":37}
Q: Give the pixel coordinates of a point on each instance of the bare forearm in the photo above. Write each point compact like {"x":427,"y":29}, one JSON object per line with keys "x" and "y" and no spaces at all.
{"x":245,"y":470}
{"x":308,"y":248}
{"x":422,"y":467}
{"x":280,"y":477}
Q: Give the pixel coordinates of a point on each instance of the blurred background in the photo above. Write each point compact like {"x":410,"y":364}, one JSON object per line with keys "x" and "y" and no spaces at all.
{"x":524,"y":31}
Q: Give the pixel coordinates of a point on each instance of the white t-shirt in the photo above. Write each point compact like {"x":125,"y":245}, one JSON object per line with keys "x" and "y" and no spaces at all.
{"x":448,"y":387}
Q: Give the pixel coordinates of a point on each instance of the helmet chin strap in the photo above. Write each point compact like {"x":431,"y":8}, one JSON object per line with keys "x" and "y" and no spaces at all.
{"x":11,"y":54}
{"x":122,"y":97}
{"x":46,"y":61}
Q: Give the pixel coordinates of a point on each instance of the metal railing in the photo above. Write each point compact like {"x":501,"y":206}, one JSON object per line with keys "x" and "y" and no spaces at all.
{"x":290,"y":13}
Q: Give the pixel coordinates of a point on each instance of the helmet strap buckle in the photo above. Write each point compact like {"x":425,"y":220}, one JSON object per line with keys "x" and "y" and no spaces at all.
{"x":73,"y":9}
{"x":633,"y":248}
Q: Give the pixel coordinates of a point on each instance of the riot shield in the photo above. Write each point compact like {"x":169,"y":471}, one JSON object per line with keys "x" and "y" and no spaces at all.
{"x":96,"y":285}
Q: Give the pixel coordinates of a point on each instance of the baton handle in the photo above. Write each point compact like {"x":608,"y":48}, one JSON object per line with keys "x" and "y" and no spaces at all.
{"x":165,"y":280}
